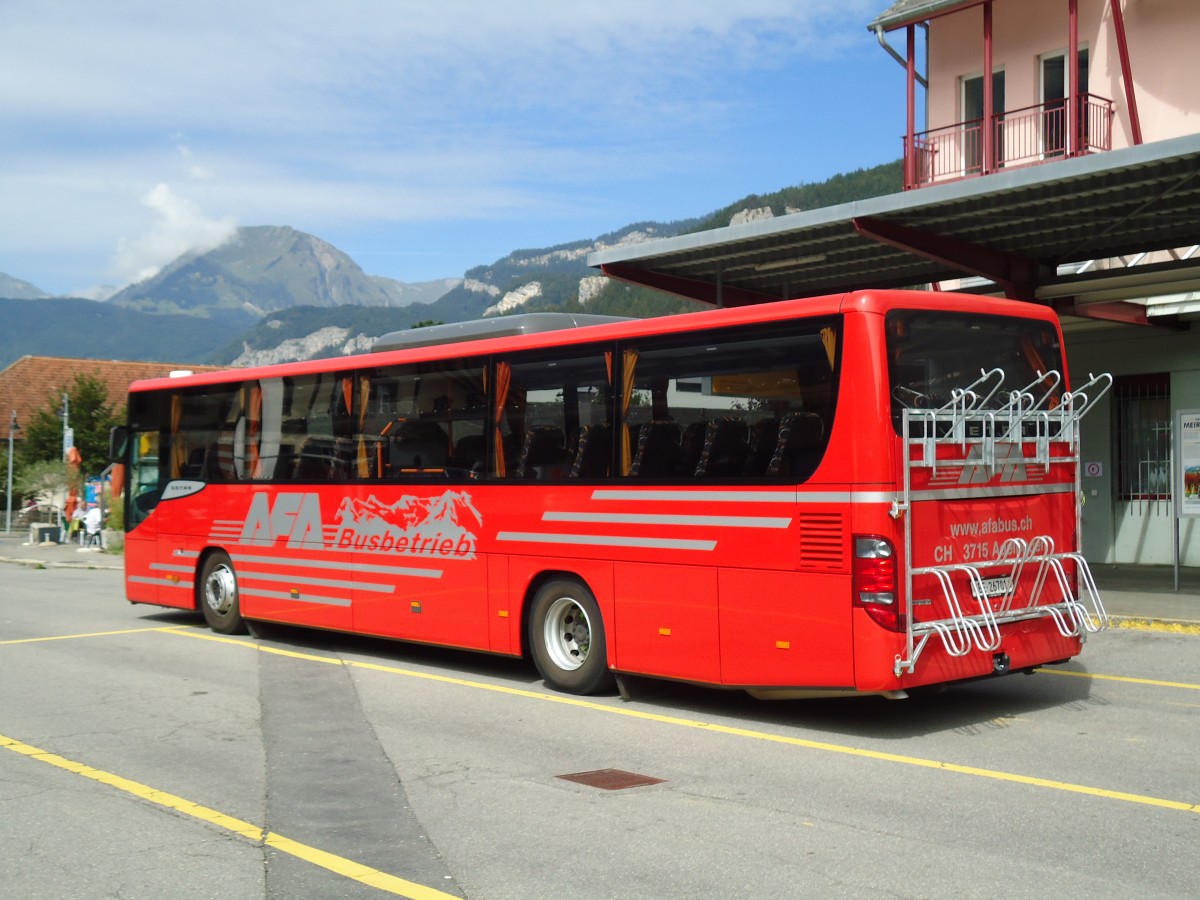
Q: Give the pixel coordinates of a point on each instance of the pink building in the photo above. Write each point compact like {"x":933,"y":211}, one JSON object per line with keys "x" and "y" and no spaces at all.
{"x":1072,"y":78}
{"x":1069,"y":77}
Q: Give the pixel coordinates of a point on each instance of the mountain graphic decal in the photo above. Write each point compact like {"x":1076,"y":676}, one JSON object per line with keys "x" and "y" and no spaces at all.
{"x":437,"y":527}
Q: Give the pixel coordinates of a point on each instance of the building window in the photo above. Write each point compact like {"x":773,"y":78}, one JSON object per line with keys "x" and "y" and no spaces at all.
{"x":1056,"y":86}
{"x":1142,"y":433}
{"x":974,"y":124}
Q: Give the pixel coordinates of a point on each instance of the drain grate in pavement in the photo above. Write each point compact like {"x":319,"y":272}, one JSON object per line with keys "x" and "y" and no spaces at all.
{"x":611,"y":779}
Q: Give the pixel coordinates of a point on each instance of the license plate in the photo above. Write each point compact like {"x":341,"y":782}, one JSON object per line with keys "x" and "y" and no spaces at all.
{"x":992,"y":587}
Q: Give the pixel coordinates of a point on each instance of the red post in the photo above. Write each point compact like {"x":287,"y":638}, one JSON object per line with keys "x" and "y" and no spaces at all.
{"x":910,"y":137}
{"x":1072,"y":69}
{"x":1135,"y":122}
{"x":989,"y":151}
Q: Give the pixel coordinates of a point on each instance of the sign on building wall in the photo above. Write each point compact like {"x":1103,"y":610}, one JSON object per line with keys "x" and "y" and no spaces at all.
{"x":1187,"y":454}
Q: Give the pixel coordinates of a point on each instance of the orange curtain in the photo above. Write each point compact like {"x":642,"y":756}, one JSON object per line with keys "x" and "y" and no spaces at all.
{"x":252,"y":436}
{"x":178,"y":445}
{"x":630,"y":358}
{"x":829,"y":340}
{"x":364,"y":465}
{"x":503,"y":382}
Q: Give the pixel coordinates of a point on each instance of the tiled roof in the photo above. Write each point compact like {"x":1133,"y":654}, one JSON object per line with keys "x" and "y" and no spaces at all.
{"x":905,"y":11}
{"x":33,"y":382}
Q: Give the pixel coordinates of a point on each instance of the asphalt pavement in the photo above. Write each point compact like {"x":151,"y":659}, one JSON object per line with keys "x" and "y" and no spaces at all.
{"x":1127,"y":592}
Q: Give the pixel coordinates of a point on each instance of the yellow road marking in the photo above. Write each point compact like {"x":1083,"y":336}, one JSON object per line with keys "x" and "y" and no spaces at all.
{"x":862,"y":752}
{"x":339,"y":865}
{"x":71,"y":637}
{"x":1136,"y":624}
{"x":1125,"y":678}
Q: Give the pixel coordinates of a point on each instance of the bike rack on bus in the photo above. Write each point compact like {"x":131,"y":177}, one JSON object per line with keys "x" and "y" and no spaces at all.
{"x":992,"y":430}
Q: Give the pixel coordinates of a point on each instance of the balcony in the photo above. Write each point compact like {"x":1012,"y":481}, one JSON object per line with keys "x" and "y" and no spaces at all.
{"x":1020,"y":137}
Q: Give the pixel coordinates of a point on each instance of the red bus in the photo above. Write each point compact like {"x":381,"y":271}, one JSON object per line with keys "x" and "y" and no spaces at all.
{"x":853,"y":494}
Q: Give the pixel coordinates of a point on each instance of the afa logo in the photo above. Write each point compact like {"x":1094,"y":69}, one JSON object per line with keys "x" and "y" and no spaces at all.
{"x":412,"y":526}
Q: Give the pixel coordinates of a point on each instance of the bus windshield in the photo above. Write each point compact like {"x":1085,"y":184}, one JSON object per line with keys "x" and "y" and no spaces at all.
{"x":932,"y":354}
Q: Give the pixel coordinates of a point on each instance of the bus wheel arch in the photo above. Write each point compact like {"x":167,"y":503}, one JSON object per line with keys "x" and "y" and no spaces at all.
{"x":565,"y":634}
{"x":218,"y":595}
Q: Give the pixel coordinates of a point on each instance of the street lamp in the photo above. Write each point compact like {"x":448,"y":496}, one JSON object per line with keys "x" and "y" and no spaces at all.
{"x":68,"y":435}
{"x":13,"y":428}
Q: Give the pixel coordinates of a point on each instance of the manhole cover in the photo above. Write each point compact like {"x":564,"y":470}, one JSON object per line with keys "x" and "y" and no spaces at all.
{"x":611,"y":779}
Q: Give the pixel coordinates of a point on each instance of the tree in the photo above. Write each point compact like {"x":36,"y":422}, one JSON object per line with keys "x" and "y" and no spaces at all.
{"x":90,"y":416}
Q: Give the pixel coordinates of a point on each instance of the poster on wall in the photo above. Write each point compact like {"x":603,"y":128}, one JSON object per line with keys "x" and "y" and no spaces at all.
{"x":1187,"y":452}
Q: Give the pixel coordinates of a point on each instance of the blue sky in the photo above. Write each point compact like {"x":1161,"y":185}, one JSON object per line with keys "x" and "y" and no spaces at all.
{"x":422,"y":138}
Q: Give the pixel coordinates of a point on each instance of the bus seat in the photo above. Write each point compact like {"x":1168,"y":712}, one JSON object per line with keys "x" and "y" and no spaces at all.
{"x":763,"y":437}
{"x":469,"y":452}
{"x":799,"y":445}
{"x":690,"y":448}
{"x":658,"y":450}
{"x":196,"y":461}
{"x":544,"y":449}
{"x":725,"y":447}
{"x":417,"y":445}
{"x":593,"y":455}
{"x":318,"y":461}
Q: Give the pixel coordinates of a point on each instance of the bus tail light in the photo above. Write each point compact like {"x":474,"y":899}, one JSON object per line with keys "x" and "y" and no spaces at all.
{"x":875,"y":589}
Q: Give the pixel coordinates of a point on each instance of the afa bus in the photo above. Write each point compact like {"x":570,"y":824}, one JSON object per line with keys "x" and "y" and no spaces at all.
{"x":854,"y":494}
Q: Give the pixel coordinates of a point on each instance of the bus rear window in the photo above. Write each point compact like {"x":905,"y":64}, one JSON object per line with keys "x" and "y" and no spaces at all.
{"x":931,"y":354}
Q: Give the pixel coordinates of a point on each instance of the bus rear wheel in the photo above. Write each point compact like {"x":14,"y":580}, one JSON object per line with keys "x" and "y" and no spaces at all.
{"x":219,"y":596}
{"x":566,"y":638}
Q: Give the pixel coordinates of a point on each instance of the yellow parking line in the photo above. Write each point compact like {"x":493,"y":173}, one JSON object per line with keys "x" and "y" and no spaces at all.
{"x":339,"y":865}
{"x":1132,"y":623}
{"x":1125,"y":678}
{"x":862,"y":752}
{"x":71,"y":637}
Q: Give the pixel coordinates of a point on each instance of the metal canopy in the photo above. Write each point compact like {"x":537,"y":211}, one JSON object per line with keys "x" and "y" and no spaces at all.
{"x":1031,"y":232}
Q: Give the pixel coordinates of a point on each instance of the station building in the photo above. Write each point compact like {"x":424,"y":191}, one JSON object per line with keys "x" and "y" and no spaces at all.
{"x":1069,"y":178}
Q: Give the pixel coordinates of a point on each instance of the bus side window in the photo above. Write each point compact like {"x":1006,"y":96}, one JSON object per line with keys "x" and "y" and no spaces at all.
{"x":555,"y":420}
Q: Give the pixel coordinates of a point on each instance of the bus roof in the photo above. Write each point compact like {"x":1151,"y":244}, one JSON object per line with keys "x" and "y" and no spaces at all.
{"x":586,"y":328}
{"x":477,"y":329}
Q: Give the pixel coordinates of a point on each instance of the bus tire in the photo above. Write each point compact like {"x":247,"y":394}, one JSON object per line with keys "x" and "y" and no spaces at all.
{"x":218,"y":598}
{"x":566,"y":638}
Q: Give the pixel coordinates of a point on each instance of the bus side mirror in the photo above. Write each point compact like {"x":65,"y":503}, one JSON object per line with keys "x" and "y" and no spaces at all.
{"x":118,"y":440}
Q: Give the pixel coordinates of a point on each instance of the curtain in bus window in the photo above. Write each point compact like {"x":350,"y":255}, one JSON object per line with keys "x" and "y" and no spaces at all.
{"x":629,"y":369}
{"x":829,"y":340}
{"x":178,"y":439}
{"x":271,"y":424}
{"x":253,"y":432}
{"x":364,"y":465}
{"x":503,"y":383}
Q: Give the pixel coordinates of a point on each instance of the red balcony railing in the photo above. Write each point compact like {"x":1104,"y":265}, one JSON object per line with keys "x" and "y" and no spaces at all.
{"x":1020,"y":137}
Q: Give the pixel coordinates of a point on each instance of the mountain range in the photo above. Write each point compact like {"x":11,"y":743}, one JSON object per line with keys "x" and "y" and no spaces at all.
{"x":274,"y":294}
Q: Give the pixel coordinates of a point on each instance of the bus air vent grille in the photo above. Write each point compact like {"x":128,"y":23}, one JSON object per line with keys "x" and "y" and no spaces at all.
{"x":822,"y":541}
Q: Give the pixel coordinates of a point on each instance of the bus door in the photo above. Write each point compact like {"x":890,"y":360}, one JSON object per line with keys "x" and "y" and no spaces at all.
{"x":141,"y":527}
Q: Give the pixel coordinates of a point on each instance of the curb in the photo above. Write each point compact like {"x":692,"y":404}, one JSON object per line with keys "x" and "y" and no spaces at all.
{"x":61,"y":563}
{"x":1163,"y":626}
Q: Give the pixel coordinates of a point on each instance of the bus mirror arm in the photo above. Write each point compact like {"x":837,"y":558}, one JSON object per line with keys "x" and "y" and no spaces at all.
{"x":118,"y":438}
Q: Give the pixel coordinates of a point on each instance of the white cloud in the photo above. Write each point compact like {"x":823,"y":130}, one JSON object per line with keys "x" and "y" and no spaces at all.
{"x":326,"y":115}
{"x":179,"y":228}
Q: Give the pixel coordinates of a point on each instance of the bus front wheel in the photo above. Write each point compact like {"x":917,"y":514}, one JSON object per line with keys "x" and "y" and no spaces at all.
{"x":219,"y":596}
{"x":566,"y":638}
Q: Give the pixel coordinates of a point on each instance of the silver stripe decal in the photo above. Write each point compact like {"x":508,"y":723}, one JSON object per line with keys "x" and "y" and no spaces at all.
{"x":606,"y":540}
{"x":161,"y":582}
{"x":190,"y":554}
{"x":697,"y":496}
{"x":282,"y":595}
{"x":747,"y":496}
{"x":251,"y":575}
{"x":651,"y":519}
{"x":340,"y":565}
{"x":982,"y":493}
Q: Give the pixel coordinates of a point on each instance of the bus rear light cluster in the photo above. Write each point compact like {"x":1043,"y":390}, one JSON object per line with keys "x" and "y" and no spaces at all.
{"x":875,"y":581}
